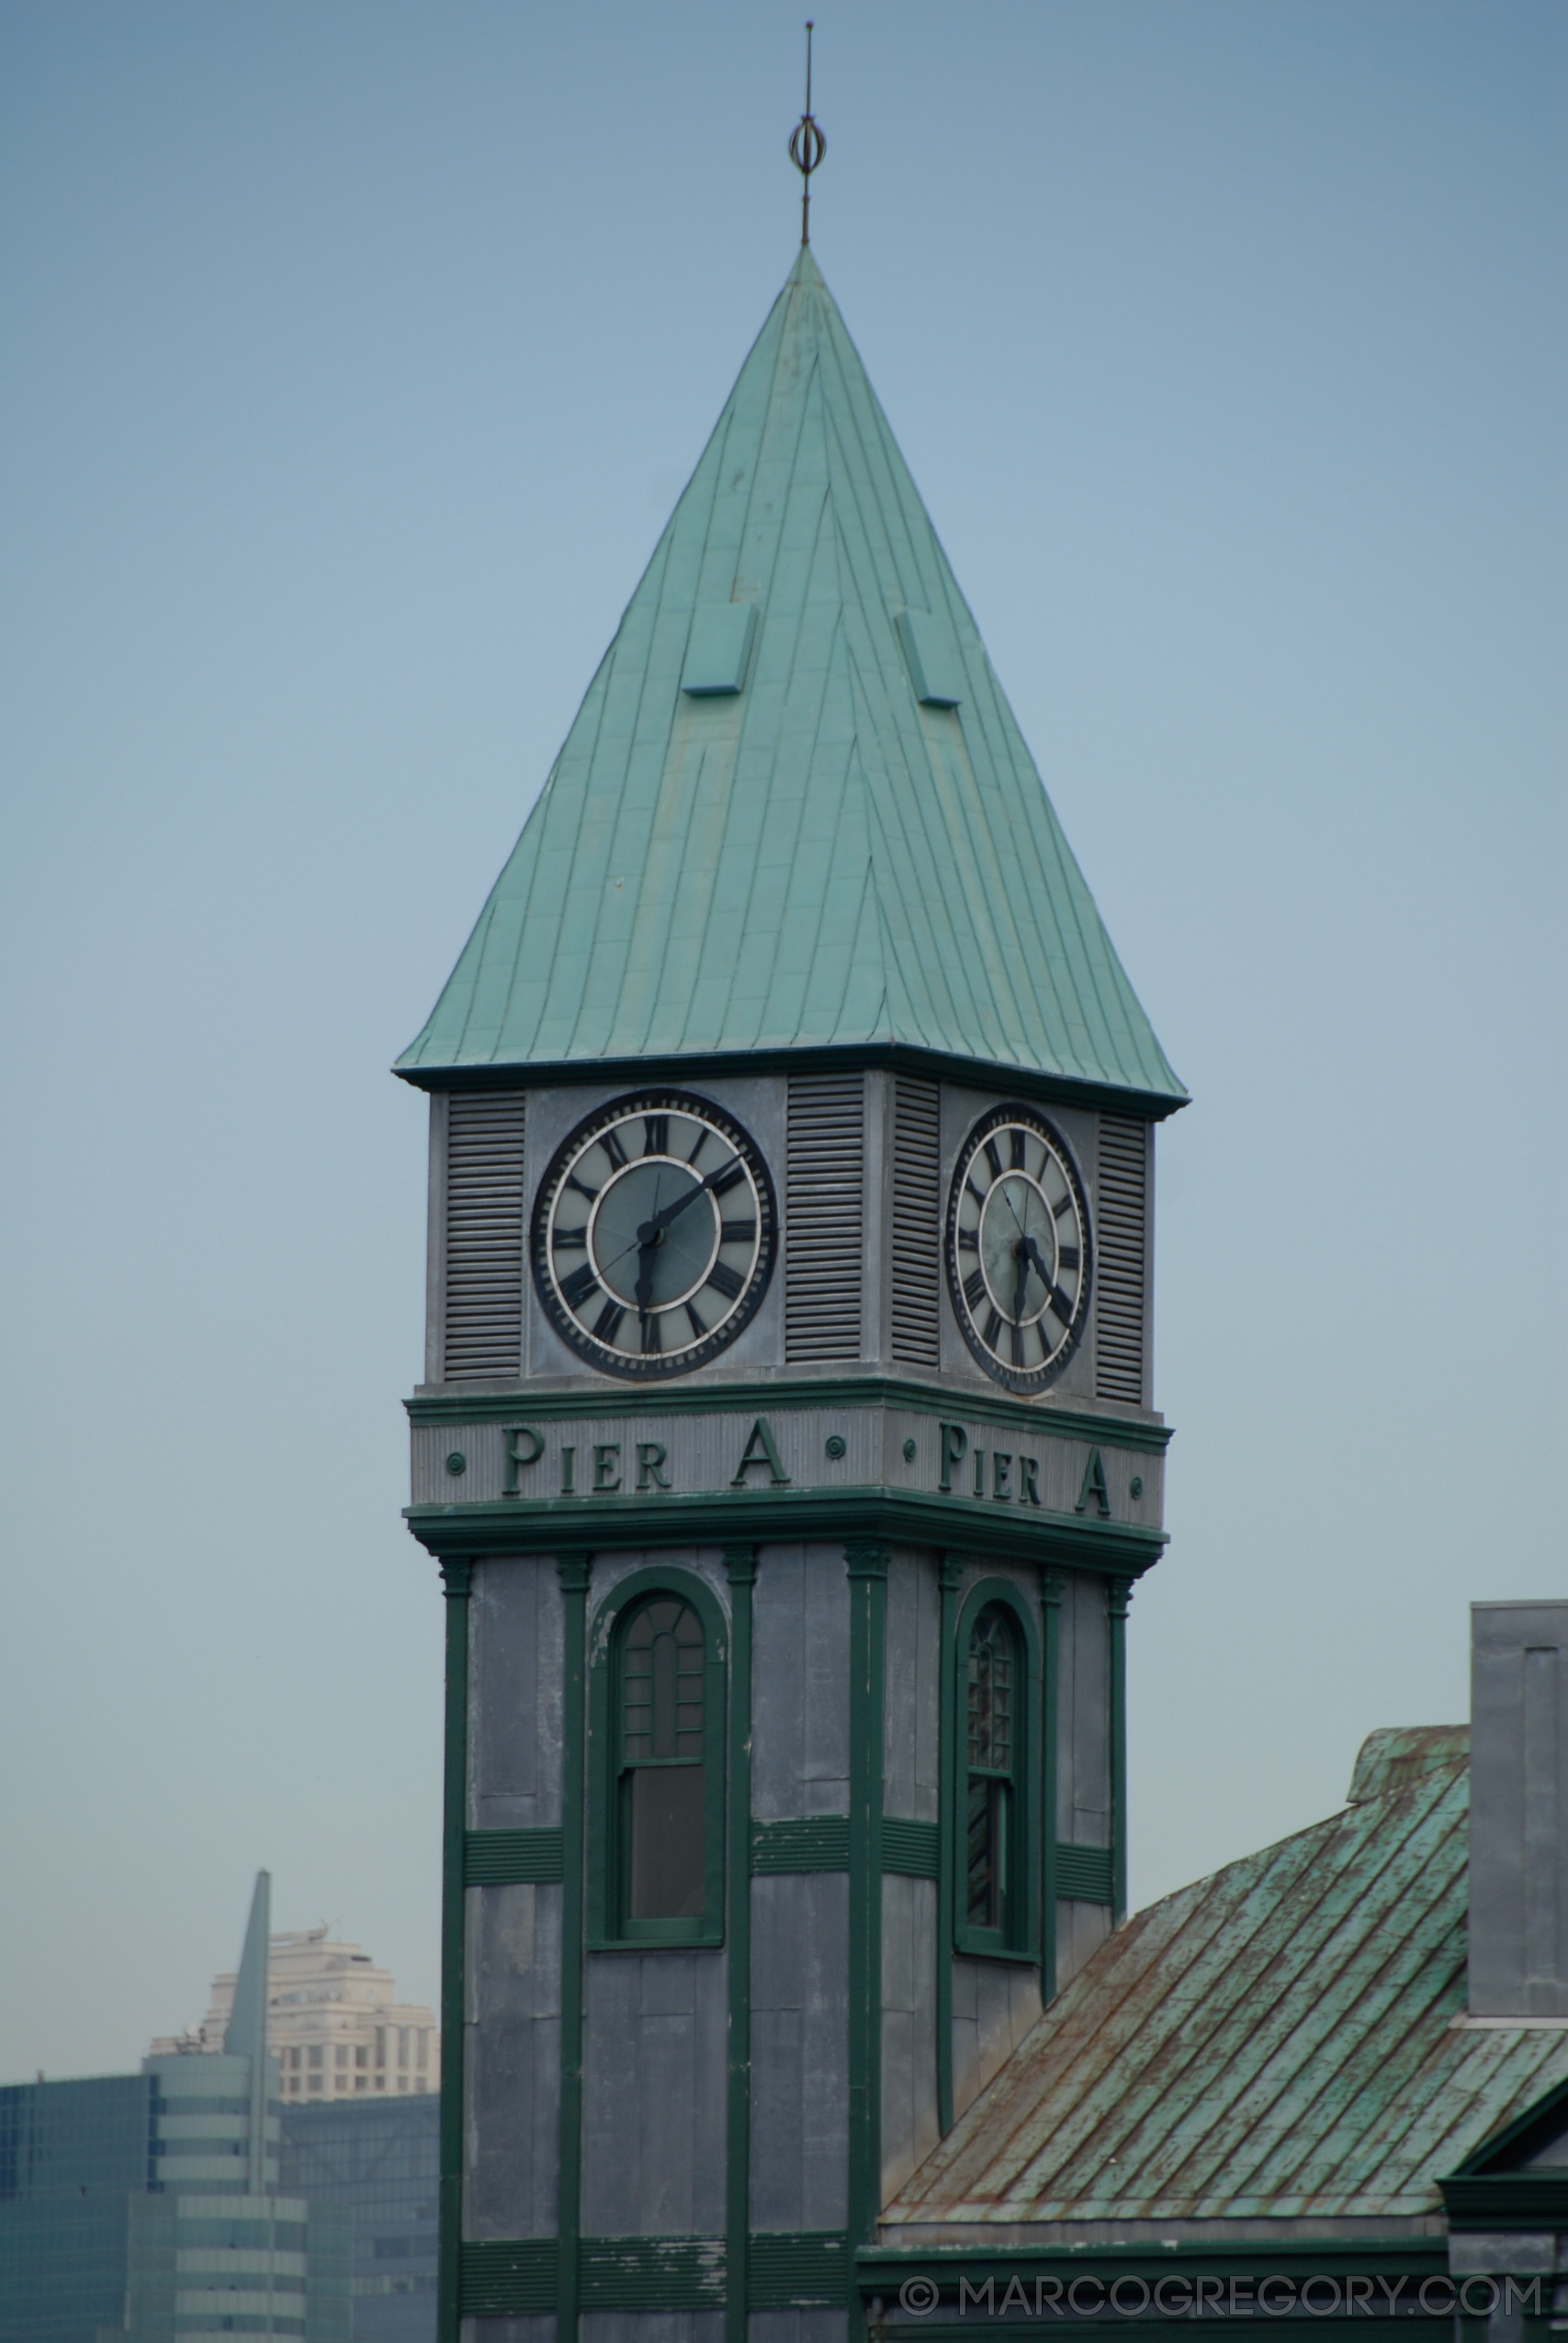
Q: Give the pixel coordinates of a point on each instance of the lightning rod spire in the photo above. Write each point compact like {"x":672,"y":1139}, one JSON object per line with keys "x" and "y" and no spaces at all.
{"x":806,"y":147}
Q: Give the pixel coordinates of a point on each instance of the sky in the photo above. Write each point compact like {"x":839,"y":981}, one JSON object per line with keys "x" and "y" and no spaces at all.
{"x":355,"y":352}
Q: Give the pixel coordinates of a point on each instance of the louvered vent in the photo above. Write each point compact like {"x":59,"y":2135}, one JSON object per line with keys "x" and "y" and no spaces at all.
{"x":917,"y":1218}
{"x":484,"y":1234}
{"x":1119,"y":1262}
{"x":824,"y":1216}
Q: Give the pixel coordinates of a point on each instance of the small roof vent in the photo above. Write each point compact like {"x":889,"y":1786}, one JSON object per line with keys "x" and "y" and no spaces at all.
{"x":934,"y":668}
{"x":717,"y":648}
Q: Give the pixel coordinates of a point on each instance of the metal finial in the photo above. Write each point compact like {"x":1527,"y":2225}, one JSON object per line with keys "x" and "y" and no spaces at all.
{"x":806,"y":147}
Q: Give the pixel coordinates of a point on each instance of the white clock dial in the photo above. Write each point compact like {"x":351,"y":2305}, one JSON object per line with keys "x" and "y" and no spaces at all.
{"x":1018,"y":1248}
{"x":654,"y":1234}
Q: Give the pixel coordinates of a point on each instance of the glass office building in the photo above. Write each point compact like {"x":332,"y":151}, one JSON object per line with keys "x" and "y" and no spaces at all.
{"x":146,"y":2207}
{"x":377,"y":2163}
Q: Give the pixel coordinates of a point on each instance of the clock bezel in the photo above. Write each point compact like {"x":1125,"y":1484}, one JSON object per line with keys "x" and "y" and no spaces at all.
{"x":655,"y":1366}
{"x":1024,"y":1381}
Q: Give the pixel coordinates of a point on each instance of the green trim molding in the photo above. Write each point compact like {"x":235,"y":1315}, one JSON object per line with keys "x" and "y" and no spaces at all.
{"x":574,"y":1570}
{"x":786,"y":1516}
{"x":898,"y":1057}
{"x":513,"y":1858}
{"x":1085,"y":1874}
{"x":867,"y":1567}
{"x":457,"y":1576}
{"x":760,"y":1398}
{"x":740,"y":1570}
{"x":1051,"y":1589}
{"x":785,"y":2269}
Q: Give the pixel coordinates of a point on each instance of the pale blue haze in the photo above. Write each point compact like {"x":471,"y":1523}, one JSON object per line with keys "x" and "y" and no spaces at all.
{"x":355,"y":355}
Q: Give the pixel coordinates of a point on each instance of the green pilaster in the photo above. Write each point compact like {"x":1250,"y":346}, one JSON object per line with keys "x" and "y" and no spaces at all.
{"x":573,"y":1571}
{"x":1118,"y":1595}
{"x":457,"y":1581}
{"x":740,"y":1567}
{"x":1051,"y":1593}
{"x":867,"y":1568}
{"x":947,"y":1725}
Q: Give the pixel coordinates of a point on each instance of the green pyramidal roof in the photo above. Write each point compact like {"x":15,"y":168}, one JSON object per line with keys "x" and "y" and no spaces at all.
{"x":826,"y":858}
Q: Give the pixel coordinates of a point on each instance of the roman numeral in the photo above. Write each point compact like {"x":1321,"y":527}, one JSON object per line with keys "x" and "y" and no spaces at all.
{"x":704,"y":1135}
{"x":579,"y":1285}
{"x":1020,"y":1146}
{"x":614,"y":1149}
{"x":652,"y":1340}
{"x":573,"y":1182}
{"x":698,"y":1328}
{"x":993,"y":1159}
{"x":974,"y":1288}
{"x":969,"y":1240}
{"x":993,"y":1328}
{"x":722,"y":1182}
{"x":1017,"y":1346}
{"x":736,"y":1233}
{"x":723,"y":1279}
{"x":568,"y":1240}
{"x":656,"y":1134}
{"x":1062,"y":1305}
{"x":608,"y":1323}
{"x":1060,"y":1211}
{"x":1069,"y":1257}
{"x":971,"y":1190}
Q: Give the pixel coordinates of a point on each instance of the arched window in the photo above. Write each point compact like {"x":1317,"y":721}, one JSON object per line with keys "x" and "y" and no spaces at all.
{"x":991,"y":1751}
{"x":995,"y":1798}
{"x":656,"y":1841}
{"x":660,"y":1778}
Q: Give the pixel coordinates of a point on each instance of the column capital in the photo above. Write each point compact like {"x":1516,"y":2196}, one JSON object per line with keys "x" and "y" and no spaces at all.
{"x":866,"y":1560}
{"x":1118,"y":1596}
{"x":456,"y":1574}
{"x":739,"y":1565}
{"x":1053,"y":1586}
{"x":950,"y":1572}
{"x":572,"y":1571}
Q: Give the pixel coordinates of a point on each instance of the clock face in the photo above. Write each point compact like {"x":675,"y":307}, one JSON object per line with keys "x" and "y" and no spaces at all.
{"x":653,"y":1234}
{"x":1018,"y":1248}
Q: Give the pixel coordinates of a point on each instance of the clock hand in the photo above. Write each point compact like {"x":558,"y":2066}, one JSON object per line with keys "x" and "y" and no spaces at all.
{"x":660,"y":1220}
{"x":1023,"y":1252}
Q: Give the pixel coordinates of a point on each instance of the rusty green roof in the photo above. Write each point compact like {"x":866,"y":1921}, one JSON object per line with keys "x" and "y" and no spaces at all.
{"x":1277,"y":2042}
{"x":818,"y":828}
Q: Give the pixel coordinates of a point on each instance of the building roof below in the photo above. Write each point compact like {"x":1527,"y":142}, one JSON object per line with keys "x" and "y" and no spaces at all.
{"x":1286,"y":2040}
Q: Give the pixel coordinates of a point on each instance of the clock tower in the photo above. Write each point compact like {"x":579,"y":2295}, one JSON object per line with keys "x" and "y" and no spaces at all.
{"x":786,"y":1438}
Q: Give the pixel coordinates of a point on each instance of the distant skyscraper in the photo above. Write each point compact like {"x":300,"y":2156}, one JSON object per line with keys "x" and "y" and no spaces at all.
{"x":146,"y":2206}
{"x":334,"y":2021}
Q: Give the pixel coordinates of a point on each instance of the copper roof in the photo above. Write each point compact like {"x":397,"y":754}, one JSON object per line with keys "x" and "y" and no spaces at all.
{"x":1277,"y":2041}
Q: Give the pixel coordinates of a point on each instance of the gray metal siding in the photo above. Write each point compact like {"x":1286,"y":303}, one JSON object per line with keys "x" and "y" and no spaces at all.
{"x":994,"y":2005}
{"x":515,"y":1695}
{"x":653,"y":2094}
{"x":910,"y":2129}
{"x":512,"y":2024}
{"x":1120,"y":1246}
{"x":800,"y":2050}
{"x":911,"y":1716}
{"x":824,"y":1216}
{"x":483,"y":1273}
{"x":1083,"y":1715}
{"x":800,"y":1698}
{"x":916,"y":1223}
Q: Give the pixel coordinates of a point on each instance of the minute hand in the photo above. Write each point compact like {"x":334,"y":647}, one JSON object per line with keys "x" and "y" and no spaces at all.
{"x":661,"y":1220}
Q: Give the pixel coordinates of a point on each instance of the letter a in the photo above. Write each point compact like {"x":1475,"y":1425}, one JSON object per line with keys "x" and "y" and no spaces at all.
{"x":1094,"y":1486}
{"x":759,"y":1450}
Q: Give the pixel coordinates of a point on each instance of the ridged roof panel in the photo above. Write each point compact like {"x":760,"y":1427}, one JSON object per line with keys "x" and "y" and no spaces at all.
{"x":1277,"y":2041}
{"x":818,"y":861}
